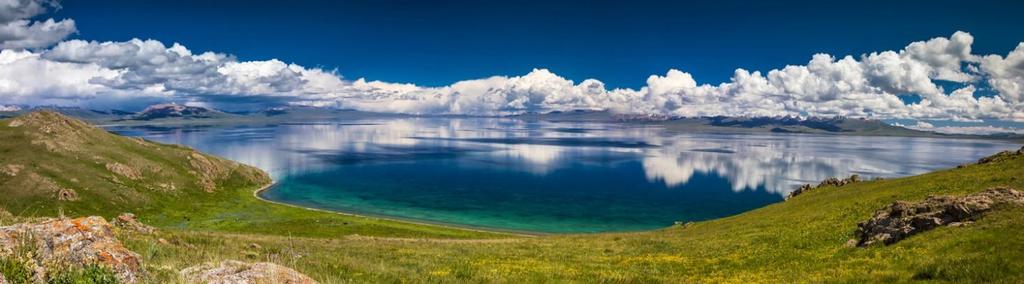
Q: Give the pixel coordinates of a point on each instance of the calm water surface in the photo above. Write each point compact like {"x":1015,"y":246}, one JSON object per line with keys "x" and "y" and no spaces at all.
{"x":551,"y":177}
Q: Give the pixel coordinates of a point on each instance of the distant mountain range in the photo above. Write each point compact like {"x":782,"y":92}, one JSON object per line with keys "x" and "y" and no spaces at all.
{"x":778,"y":124}
{"x":176,"y":111}
{"x":182,"y":114}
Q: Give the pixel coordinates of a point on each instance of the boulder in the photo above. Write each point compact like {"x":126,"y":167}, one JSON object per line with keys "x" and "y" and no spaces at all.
{"x":232,"y":271}
{"x":128,"y":221}
{"x":902,"y":219}
{"x":74,"y":242}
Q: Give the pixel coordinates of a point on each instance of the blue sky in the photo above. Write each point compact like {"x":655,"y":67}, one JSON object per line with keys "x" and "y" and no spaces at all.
{"x":925,"y":64}
{"x":618,"y":42}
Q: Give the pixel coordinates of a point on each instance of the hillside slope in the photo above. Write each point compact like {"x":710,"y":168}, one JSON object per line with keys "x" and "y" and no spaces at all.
{"x":797,"y":241}
{"x":51,"y":164}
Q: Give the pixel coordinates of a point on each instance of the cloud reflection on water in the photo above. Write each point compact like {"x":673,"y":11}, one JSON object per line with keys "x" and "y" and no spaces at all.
{"x":775,"y":162}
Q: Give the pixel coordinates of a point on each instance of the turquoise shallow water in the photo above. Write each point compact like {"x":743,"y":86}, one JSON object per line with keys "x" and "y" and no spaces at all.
{"x":550,"y":177}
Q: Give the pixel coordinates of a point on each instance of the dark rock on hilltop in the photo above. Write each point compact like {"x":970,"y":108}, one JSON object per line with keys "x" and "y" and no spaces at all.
{"x":1000,"y":156}
{"x":994,"y":158}
{"x":832,"y":181}
{"x":903,"y":219}
{"x":839,"y":182}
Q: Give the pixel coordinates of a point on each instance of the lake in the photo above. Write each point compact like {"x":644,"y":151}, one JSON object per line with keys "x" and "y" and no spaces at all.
{"x":550,"y":177}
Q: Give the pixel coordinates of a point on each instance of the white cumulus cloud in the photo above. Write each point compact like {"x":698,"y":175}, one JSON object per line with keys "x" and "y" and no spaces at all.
{"x":18,"y":31}
{"x":130,"y":73}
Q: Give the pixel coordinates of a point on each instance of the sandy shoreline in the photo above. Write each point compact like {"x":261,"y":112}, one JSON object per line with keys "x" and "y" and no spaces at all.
{"x":256,"y":194}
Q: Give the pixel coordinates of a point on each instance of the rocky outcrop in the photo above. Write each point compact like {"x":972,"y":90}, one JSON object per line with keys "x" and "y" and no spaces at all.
{"x":903,"y":219}
{"x":128,"y":222}
{"x":232,"y":271}
{"x":70,"y":242}
{"x":11,"y":169}
{"x":206,"y":171}
{"x":124,"y":170}
{"x":1000,"y":156}
{"x":832,"y":181}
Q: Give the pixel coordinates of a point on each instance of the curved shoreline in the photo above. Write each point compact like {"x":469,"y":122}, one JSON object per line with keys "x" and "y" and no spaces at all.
{"x":256,"y":194}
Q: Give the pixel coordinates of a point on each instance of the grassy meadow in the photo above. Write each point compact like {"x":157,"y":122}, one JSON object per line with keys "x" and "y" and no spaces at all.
{"x":800,"y":240}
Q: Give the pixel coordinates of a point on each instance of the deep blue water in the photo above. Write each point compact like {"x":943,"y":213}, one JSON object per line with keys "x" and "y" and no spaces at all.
{"x":551,"y":177}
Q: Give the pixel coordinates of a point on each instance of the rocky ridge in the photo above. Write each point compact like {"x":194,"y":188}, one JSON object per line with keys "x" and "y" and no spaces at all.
{"x":902,"y":219}
{"x":832,"y":181}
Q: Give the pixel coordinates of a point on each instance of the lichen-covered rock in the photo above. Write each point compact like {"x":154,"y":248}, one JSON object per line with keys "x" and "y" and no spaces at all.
{"x":128,"y":221}
{"x":903,"y":219}
{"x":232,"y":271}
{"x":80,"y":241}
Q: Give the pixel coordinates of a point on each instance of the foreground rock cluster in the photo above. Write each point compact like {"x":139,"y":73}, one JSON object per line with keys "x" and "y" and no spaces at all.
{"x":67,"y":243}
{"x":902,"y":219}
{"x":53,"y":245}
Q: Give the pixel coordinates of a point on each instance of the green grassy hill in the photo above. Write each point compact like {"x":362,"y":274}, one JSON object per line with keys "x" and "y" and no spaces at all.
{"x":800,"y":240}
{"x":51,"y":164}
{"x":55,"y":163}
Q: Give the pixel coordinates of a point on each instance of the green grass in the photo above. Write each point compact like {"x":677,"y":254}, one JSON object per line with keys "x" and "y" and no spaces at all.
{"x":801,"y":240}
{"x":17,"y":271}
{"x":90,"y":274}
{"x":239,"y":211}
